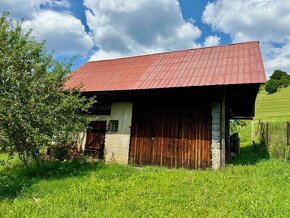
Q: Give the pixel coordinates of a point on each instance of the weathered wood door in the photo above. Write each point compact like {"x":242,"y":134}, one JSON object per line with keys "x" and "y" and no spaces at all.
{"x":173,"y":134}
{"x":95,"y":141}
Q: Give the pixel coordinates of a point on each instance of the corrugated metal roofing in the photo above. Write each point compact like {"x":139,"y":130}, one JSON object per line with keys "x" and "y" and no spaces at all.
{"x":219,"y":65}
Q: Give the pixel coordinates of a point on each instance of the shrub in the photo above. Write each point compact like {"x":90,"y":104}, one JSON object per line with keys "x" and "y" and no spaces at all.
{"x":278,"y":74}
{"x":65,"y":152}
{"x":284,"y":81}
{"x":272,"y":86}
{"x":277,"y":79}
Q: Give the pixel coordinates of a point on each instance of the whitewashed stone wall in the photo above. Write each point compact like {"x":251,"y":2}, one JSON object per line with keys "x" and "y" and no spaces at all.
{"x":216,"y":137}
{"x":117,"y":143}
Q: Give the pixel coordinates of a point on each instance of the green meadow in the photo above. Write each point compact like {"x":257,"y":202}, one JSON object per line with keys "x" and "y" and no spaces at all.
{"x":273,"y":107}
{"x":251,"y":186}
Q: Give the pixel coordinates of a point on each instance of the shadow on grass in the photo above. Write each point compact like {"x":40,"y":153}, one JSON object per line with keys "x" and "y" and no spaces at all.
{"x":249,"y":155}
{"x":16,"y":178}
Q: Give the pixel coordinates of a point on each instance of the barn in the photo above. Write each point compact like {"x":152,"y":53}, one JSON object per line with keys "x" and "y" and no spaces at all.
{"x":170,"y":109}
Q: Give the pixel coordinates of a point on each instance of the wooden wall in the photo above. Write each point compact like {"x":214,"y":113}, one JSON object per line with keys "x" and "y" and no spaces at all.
{"x":172,"y":133}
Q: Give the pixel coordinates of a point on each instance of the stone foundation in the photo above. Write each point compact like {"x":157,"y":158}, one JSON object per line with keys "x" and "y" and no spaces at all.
{"x":216,"y":135}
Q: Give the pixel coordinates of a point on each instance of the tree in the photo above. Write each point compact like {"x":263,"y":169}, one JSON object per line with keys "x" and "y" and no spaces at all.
{"x":284,"y":80}
{"x":35,"y":109}
{"x":272,"y":86}
{"x":278,"y":79}
{"x":278,"y":74}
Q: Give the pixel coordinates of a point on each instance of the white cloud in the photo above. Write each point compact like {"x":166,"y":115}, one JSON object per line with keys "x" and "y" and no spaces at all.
{"x":124,"y":28}
{"x":56,"y":3}
{"x":63,"y":32}
{"x":277,"y":57}
{"x":245,"y":20}
{"x":211,"y":41}
{"x":27,"y":8}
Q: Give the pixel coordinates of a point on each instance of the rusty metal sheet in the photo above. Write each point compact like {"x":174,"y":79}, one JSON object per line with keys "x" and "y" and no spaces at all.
{"x":219,"y":65}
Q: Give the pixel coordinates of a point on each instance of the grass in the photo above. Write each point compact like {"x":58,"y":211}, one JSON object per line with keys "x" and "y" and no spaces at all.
{"x":273,"y":107}
{"x":251,"y":186}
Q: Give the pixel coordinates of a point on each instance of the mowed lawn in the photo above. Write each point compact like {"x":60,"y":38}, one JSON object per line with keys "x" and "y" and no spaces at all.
{"x":273,"y":107}
{"x":252,"y":186}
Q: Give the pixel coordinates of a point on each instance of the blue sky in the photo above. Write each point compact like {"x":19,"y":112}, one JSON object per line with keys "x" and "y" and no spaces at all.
{"x":103,"y":29}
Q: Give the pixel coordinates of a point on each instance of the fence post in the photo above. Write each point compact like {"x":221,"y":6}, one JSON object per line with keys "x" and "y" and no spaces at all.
{"x":288,"y":133}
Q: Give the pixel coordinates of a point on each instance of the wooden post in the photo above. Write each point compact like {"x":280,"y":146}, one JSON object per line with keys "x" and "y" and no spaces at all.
{"x":223,"y":133}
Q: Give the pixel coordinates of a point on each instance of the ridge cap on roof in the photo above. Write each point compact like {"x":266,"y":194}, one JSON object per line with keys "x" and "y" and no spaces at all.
{"x":182,"y":50}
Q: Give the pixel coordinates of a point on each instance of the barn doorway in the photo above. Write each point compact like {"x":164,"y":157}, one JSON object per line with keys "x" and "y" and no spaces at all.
{"x":171,"y":133}
{"x":95,"y":141}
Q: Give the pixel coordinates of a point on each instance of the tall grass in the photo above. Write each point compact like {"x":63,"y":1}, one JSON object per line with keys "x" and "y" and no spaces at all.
{"x":276,"y":141}
{"x":274,"y":109}
{"x":253,"y":186}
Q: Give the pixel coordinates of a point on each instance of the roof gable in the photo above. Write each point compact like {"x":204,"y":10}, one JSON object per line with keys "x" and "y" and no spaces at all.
{"x":219,"y":65}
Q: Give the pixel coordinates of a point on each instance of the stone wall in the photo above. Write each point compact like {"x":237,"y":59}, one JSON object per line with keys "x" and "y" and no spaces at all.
{"x":216,"y":135}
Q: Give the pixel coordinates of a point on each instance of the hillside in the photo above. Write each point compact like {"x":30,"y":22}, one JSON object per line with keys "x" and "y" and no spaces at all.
{"x":273,"y":107}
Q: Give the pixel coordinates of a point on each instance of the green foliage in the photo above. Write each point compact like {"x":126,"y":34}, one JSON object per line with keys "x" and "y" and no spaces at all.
{"x":60,"y":153}
{"x":278,"y":74}
{"x":236,"y":125}
{"x":64,"y":152}
{"x":284,"y":81}
{"x":79,"y":189}
{"x":272,"y":86}
{"x":278,"y":79}
{"x":34,"y":109}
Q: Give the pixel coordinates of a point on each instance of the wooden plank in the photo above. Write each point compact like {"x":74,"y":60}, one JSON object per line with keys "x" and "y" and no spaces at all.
{"x":181,"y":137}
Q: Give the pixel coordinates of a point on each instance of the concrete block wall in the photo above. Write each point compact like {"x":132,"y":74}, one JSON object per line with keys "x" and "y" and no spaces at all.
{"x":216,"y":135}
{"x":117,"y":143}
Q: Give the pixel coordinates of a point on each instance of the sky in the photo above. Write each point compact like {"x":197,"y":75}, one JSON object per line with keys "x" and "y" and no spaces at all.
{"x":88,"y":30}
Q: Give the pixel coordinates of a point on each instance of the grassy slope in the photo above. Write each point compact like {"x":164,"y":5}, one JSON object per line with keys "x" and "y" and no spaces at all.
{"x":274,"y":107}
{"x":270,"y":108}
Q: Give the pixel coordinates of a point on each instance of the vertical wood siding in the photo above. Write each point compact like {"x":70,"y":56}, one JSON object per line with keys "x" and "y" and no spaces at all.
{"x":172,"y":134}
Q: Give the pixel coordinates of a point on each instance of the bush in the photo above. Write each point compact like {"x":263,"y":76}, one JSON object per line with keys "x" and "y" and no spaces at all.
{"x":272,"y":86}
{"x":277,"y":79}
{"x":278,"y":74}
{"x":64,"y":152}
{"x":284,"y":81}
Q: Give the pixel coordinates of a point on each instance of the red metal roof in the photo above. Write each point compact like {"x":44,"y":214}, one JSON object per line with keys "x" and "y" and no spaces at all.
{"x":219,"y":65}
